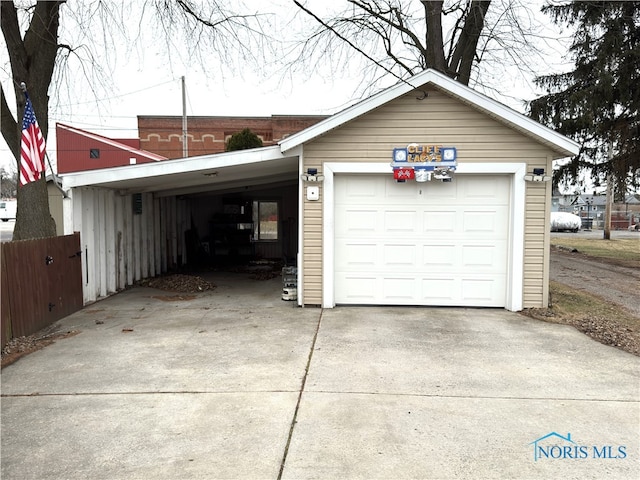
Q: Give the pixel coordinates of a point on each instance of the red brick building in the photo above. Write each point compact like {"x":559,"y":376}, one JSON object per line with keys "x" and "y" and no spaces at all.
{"x":207,"y":135}
{"x":160,"y":138}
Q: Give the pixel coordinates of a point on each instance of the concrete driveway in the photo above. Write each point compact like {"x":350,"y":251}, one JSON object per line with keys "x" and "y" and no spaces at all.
{"x":239,"y":384}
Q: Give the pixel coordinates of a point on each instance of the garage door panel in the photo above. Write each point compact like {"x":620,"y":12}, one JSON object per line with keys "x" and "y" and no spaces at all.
{"x":439,"y":290}
{"x":399,"y":255}
{"x":352,"y":187}
{"x":442,"y":192}
{"x":358,"y":254}
{"x":421,"y":244}
{"x":486,"y":258}
{"x":439,"y":256}
{"x":485,"y":189}
{"x":394,"y":191}
{"x":439,"y":221}
{"x":483,"y":292}
{"x":357,"y":289}
{"x":399,"y":289}
{"x":357,"y":220}
{"x":399,"y":221}
{"x":473,"y":222}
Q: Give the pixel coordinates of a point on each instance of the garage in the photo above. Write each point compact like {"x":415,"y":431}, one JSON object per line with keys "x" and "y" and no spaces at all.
{"x":443,"y":243}
{"x":328,"y":200}
{"x":427,"y":193}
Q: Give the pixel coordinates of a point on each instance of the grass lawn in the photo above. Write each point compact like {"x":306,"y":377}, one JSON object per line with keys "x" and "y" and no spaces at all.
{"x":624,"y":252}
{"x":576,"y":305}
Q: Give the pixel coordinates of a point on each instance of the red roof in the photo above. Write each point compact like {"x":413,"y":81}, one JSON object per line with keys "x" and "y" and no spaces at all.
{"x":79,"y":150}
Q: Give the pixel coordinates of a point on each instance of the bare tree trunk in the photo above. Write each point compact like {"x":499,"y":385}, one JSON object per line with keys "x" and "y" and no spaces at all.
{"x":32,"y":62}
{"x":464,"y":54}
{"x":434,"y":43}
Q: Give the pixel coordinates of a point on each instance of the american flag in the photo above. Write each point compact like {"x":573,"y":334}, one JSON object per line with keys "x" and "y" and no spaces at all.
{"x":32,"y":146}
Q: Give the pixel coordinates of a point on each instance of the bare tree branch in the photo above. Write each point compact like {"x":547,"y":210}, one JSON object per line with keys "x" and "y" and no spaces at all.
{"x":345,"y":39}
{"x":9,"y":125}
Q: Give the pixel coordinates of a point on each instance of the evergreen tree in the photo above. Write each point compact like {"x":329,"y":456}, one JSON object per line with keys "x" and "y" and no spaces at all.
{"x":243,"y":140}
{"x":597,"y":103}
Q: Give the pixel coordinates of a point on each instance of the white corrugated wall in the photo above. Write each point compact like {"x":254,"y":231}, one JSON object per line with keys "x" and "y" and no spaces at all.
{"x":120,"y":247}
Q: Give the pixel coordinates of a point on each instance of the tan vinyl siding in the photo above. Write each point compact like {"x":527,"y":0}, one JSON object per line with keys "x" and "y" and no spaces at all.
{"x":442,"y":120}
{"x":312,"y":247}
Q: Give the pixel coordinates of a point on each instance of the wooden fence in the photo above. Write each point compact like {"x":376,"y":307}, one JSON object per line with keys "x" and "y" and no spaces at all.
{"x":41,"y":282}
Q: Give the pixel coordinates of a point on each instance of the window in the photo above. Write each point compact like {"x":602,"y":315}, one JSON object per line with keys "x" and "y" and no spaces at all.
{"x":265,"y":220}
{"x":94,"y":153}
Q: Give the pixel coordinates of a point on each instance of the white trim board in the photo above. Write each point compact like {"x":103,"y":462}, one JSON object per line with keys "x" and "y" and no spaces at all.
{"x":515,"y":273}
{"x":562,"y":145}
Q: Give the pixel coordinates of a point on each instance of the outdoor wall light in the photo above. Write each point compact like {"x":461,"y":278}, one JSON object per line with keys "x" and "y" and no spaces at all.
{"x":443,"y":173}
{"x":312,"y":176}
{"x":537,"y":176}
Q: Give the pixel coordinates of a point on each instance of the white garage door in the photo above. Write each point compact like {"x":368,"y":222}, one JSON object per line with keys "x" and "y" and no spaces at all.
{"x":428,"y":243}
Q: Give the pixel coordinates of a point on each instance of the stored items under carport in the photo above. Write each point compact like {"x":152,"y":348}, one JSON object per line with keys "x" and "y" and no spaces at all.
{"x":289,"y":283}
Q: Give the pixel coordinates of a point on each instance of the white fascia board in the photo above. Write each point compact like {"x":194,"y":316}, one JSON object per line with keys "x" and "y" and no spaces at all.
{"x":457,"y":89}
{"x":356,"y":110}
{"x":508,"y":115}
{"x":169,"y":167}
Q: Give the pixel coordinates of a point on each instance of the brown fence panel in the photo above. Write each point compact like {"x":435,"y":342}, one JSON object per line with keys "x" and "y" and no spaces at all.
{"x":42,"y":283}
{"x":5,"y":317}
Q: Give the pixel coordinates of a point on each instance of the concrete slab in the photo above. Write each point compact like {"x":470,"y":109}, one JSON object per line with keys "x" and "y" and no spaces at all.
{"x":158,"y":385}
{"x":462,"y":393}
{"x":145,"y":436}
{"x":199,"y":345}
{"x":382,"y":436}
{"x":464,"y":352}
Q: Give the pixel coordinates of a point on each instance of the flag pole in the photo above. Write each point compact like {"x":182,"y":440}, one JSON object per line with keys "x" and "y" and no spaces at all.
{"x":23,"y":86}
{"x":32,"y":144}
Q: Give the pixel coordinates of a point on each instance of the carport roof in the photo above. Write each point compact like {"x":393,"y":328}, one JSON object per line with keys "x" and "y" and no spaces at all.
{"x":561,"y":145}
{"x":222,"y":171}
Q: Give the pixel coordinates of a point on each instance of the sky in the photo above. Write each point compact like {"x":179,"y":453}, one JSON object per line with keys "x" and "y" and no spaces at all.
{"x":136,"y":76}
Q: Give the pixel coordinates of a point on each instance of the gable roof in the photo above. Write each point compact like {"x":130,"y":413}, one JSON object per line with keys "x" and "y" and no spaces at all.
{"x":112,"y":143}
{"x":563,"y":146}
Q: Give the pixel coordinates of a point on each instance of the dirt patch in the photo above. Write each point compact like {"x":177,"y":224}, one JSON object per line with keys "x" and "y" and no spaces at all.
{"x":178,"y":283}
{"x":21,"y":346}
{"x":597,"y":296}
{"x":615,"y":280}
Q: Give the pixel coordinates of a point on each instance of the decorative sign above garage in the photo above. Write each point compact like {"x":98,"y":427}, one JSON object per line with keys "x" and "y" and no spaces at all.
{"x":424,"y":163}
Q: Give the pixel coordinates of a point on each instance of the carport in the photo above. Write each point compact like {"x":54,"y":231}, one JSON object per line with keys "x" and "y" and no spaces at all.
{"x":142,"y":220}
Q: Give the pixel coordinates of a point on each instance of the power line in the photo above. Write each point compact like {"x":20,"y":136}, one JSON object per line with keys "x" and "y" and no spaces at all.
{"x":119,"y":96}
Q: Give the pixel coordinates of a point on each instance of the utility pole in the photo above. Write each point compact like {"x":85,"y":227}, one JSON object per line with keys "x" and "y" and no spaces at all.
{"x":607,"y":209}
{"x":185,"y":146}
